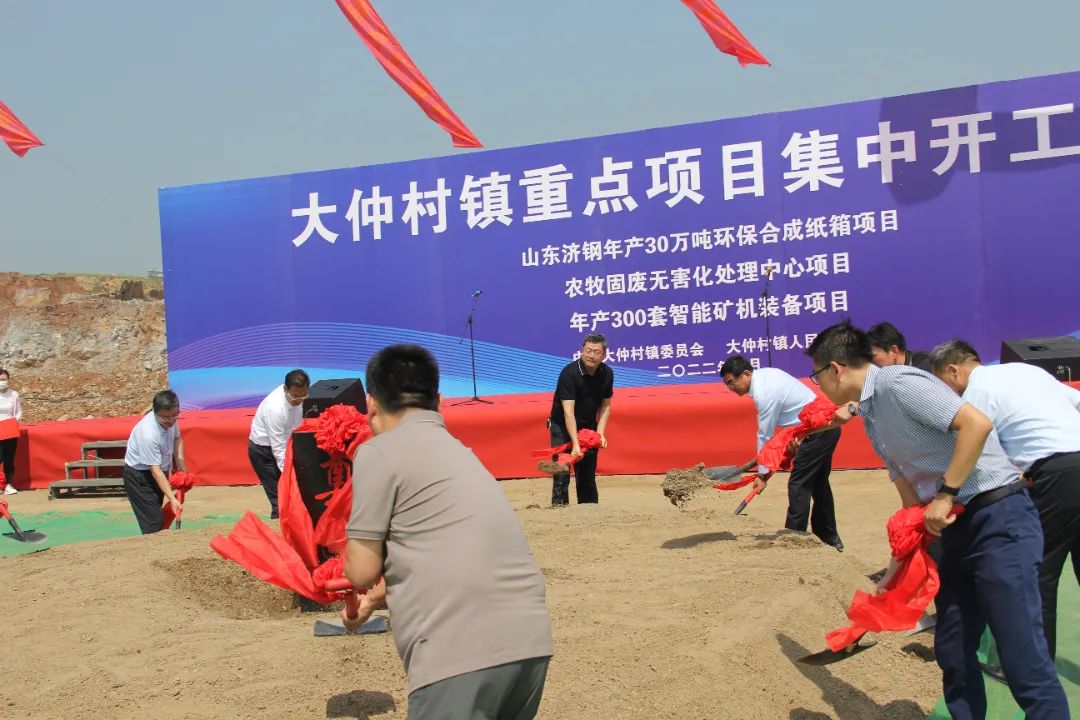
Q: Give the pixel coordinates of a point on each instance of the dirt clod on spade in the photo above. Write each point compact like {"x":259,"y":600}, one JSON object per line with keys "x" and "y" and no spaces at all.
{"x":680,"y":485}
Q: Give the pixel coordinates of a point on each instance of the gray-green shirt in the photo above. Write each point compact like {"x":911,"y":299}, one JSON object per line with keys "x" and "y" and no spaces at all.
{"x":463,"y":589}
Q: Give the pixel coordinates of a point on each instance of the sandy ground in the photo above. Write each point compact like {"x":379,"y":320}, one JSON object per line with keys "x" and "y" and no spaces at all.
{"x":658,"y":613}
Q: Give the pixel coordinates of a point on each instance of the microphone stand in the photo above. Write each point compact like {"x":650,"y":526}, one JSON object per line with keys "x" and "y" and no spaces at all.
{"x":472,"y":354}
{"x":765,"y":308}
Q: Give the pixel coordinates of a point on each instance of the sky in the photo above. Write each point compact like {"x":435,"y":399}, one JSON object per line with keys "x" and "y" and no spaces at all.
{"x":131,"y":96}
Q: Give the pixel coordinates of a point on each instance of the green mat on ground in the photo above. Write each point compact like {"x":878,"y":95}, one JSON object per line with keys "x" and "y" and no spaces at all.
{"x":1000,"y":704}
{"x":65,"y":528}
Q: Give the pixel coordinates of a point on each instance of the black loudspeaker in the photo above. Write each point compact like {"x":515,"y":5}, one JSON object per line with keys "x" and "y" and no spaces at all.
{"x":309,"y":464}
{"x":1060,"y":356}
{"x":325,"y":393}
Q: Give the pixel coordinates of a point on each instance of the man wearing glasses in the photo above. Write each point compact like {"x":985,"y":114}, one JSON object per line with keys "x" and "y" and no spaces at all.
{"x":152,"y":447}
{"x":940,"y":450}
{"x":278,"y":415}
{"x":582,"y":400}
{"x":779,"y":398}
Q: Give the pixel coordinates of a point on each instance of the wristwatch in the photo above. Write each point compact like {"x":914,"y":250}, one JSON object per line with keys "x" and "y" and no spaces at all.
{"x":947,"y":490}
{"x":853,"y":409}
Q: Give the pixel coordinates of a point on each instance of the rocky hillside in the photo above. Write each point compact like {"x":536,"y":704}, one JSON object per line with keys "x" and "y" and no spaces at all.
{"x":82,"y":345}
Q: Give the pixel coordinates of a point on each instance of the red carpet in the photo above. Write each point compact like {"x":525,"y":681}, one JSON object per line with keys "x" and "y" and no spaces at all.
{"x":652,"y":430}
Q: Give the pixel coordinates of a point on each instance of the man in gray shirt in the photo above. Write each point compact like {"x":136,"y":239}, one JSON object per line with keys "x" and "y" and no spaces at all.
{"x":940,"y":450}
{"x":466,"y":598}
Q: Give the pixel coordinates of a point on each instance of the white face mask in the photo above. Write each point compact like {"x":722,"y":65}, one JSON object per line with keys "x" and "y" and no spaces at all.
{"x":3,"y":385}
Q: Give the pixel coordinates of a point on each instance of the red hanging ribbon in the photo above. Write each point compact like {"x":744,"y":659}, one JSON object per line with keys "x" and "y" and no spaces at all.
{"x":723,"y":32}
{"x":17,"y":136}
{"x":181,"y":483}
{"x":397,"y":63}
{"x":587,"y":440}
{"x":907,"y":593}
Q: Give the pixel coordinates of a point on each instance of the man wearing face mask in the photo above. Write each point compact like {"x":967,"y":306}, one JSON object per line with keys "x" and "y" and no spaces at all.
{"x":152,"y":448}
{"x":278,"y":415}
{"x":10,"y":409}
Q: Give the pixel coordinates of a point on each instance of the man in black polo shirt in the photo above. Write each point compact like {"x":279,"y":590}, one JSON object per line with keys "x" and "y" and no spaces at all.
{"x":582,"y":401}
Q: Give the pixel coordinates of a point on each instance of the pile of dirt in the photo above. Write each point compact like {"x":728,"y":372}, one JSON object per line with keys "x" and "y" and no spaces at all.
{"x":82,"y":345}
{"x":223,"y":587}
{"x":680,"y":485}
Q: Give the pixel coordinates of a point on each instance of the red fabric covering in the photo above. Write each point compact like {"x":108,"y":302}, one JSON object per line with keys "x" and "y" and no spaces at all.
{"x":181,"y":482}
{"x":703,"y":422}
{"x":291,"y":560}
{"x":397,"y":63}
{"x":17,"y":136}
{"x":723,"y":32}
{"x":775,"y":454}
{"x":587,"y":440}
{"x":743,"y":482}
{"x":908,"y":592}
{"x":9,"y":429}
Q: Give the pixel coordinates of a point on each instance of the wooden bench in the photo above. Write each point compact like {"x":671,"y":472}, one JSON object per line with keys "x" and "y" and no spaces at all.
{"x":87,"y":465}
{"x":96,"y":485}
{"x":92,"y":450}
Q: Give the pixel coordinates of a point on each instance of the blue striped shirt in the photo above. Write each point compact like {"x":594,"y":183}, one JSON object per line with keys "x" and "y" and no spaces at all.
{"x":907,"y":413}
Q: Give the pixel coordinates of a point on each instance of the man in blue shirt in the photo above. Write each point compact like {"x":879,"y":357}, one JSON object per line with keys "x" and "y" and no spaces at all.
{"x":779,"y":398}
{"x":940,"y":450}
{"x":1037,"y":420}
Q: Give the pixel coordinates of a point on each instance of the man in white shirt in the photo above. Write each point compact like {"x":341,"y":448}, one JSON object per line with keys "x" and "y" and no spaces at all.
{"x":152,"y":448}
{"x":779,"y":398}
{"x":278,"y":415}
{"x":10,"y":409}
{"x":1037,"y":420}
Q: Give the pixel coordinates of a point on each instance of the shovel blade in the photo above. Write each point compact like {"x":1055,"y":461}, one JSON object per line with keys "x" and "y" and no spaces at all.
{"x":926,"y":623}
{"x":31,"y":537}
{"x":828,"y":657}
{"x":332,"y":627}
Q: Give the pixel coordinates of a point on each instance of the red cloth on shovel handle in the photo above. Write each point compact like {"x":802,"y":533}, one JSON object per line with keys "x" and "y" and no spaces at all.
{"x":352,"y":595}
{"x":746,"y":500}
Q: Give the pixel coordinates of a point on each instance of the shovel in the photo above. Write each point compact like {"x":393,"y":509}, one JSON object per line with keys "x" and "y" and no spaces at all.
{"x":828,"y":657}
{"x":333,"y":626}
{"x":746,"y":500}
{"x":30,"y":537}
{"x":725,"y":473}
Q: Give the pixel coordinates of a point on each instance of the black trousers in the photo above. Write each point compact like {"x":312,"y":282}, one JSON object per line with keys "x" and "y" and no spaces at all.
{"x":146,"y":499}
{"x":1055,"y":489}
{"x":7,"y":458}
{"x":584,"y":473}
{"x":265,"y":465}
{"x":810,"y":481}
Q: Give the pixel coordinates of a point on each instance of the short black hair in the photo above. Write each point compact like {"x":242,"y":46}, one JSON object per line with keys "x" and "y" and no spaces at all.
{"x":842,"y":343}
{"x":735,"y":365}
{"x":404,"y":376}
{"x":595,"y":338}
{"x":3,"y":371}
{"x":297,"y":379}
{"x":884,"y":335}
{"x":165,"y":400}
{"x":953,"y":352}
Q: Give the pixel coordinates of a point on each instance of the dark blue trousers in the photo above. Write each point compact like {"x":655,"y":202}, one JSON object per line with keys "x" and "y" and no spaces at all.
{"x":990,"y":576}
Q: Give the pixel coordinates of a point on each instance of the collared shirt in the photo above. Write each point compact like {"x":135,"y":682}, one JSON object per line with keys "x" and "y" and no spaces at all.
{"x":779,"y":398}
{"x":587,"y":391}
{"x":10,"y":405}
{"x":274,"y":422}
{"x":463,"y":589}
{"x":907,"y":413}
{"x":150,"y":444}
{"x":1034,"y":414}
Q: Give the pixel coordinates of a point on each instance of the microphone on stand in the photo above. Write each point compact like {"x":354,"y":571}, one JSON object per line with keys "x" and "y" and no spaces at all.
{"x":477,"y":293}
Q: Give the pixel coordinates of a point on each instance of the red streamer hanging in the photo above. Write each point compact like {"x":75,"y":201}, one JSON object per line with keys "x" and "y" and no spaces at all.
{"x":907,"y":593}
{"x":397,"y":63}
{"x":17,"y":136}
{"x":724,"y":34}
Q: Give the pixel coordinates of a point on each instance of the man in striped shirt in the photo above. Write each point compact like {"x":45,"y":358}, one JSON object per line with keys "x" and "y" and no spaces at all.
{"x":940,"y":450}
